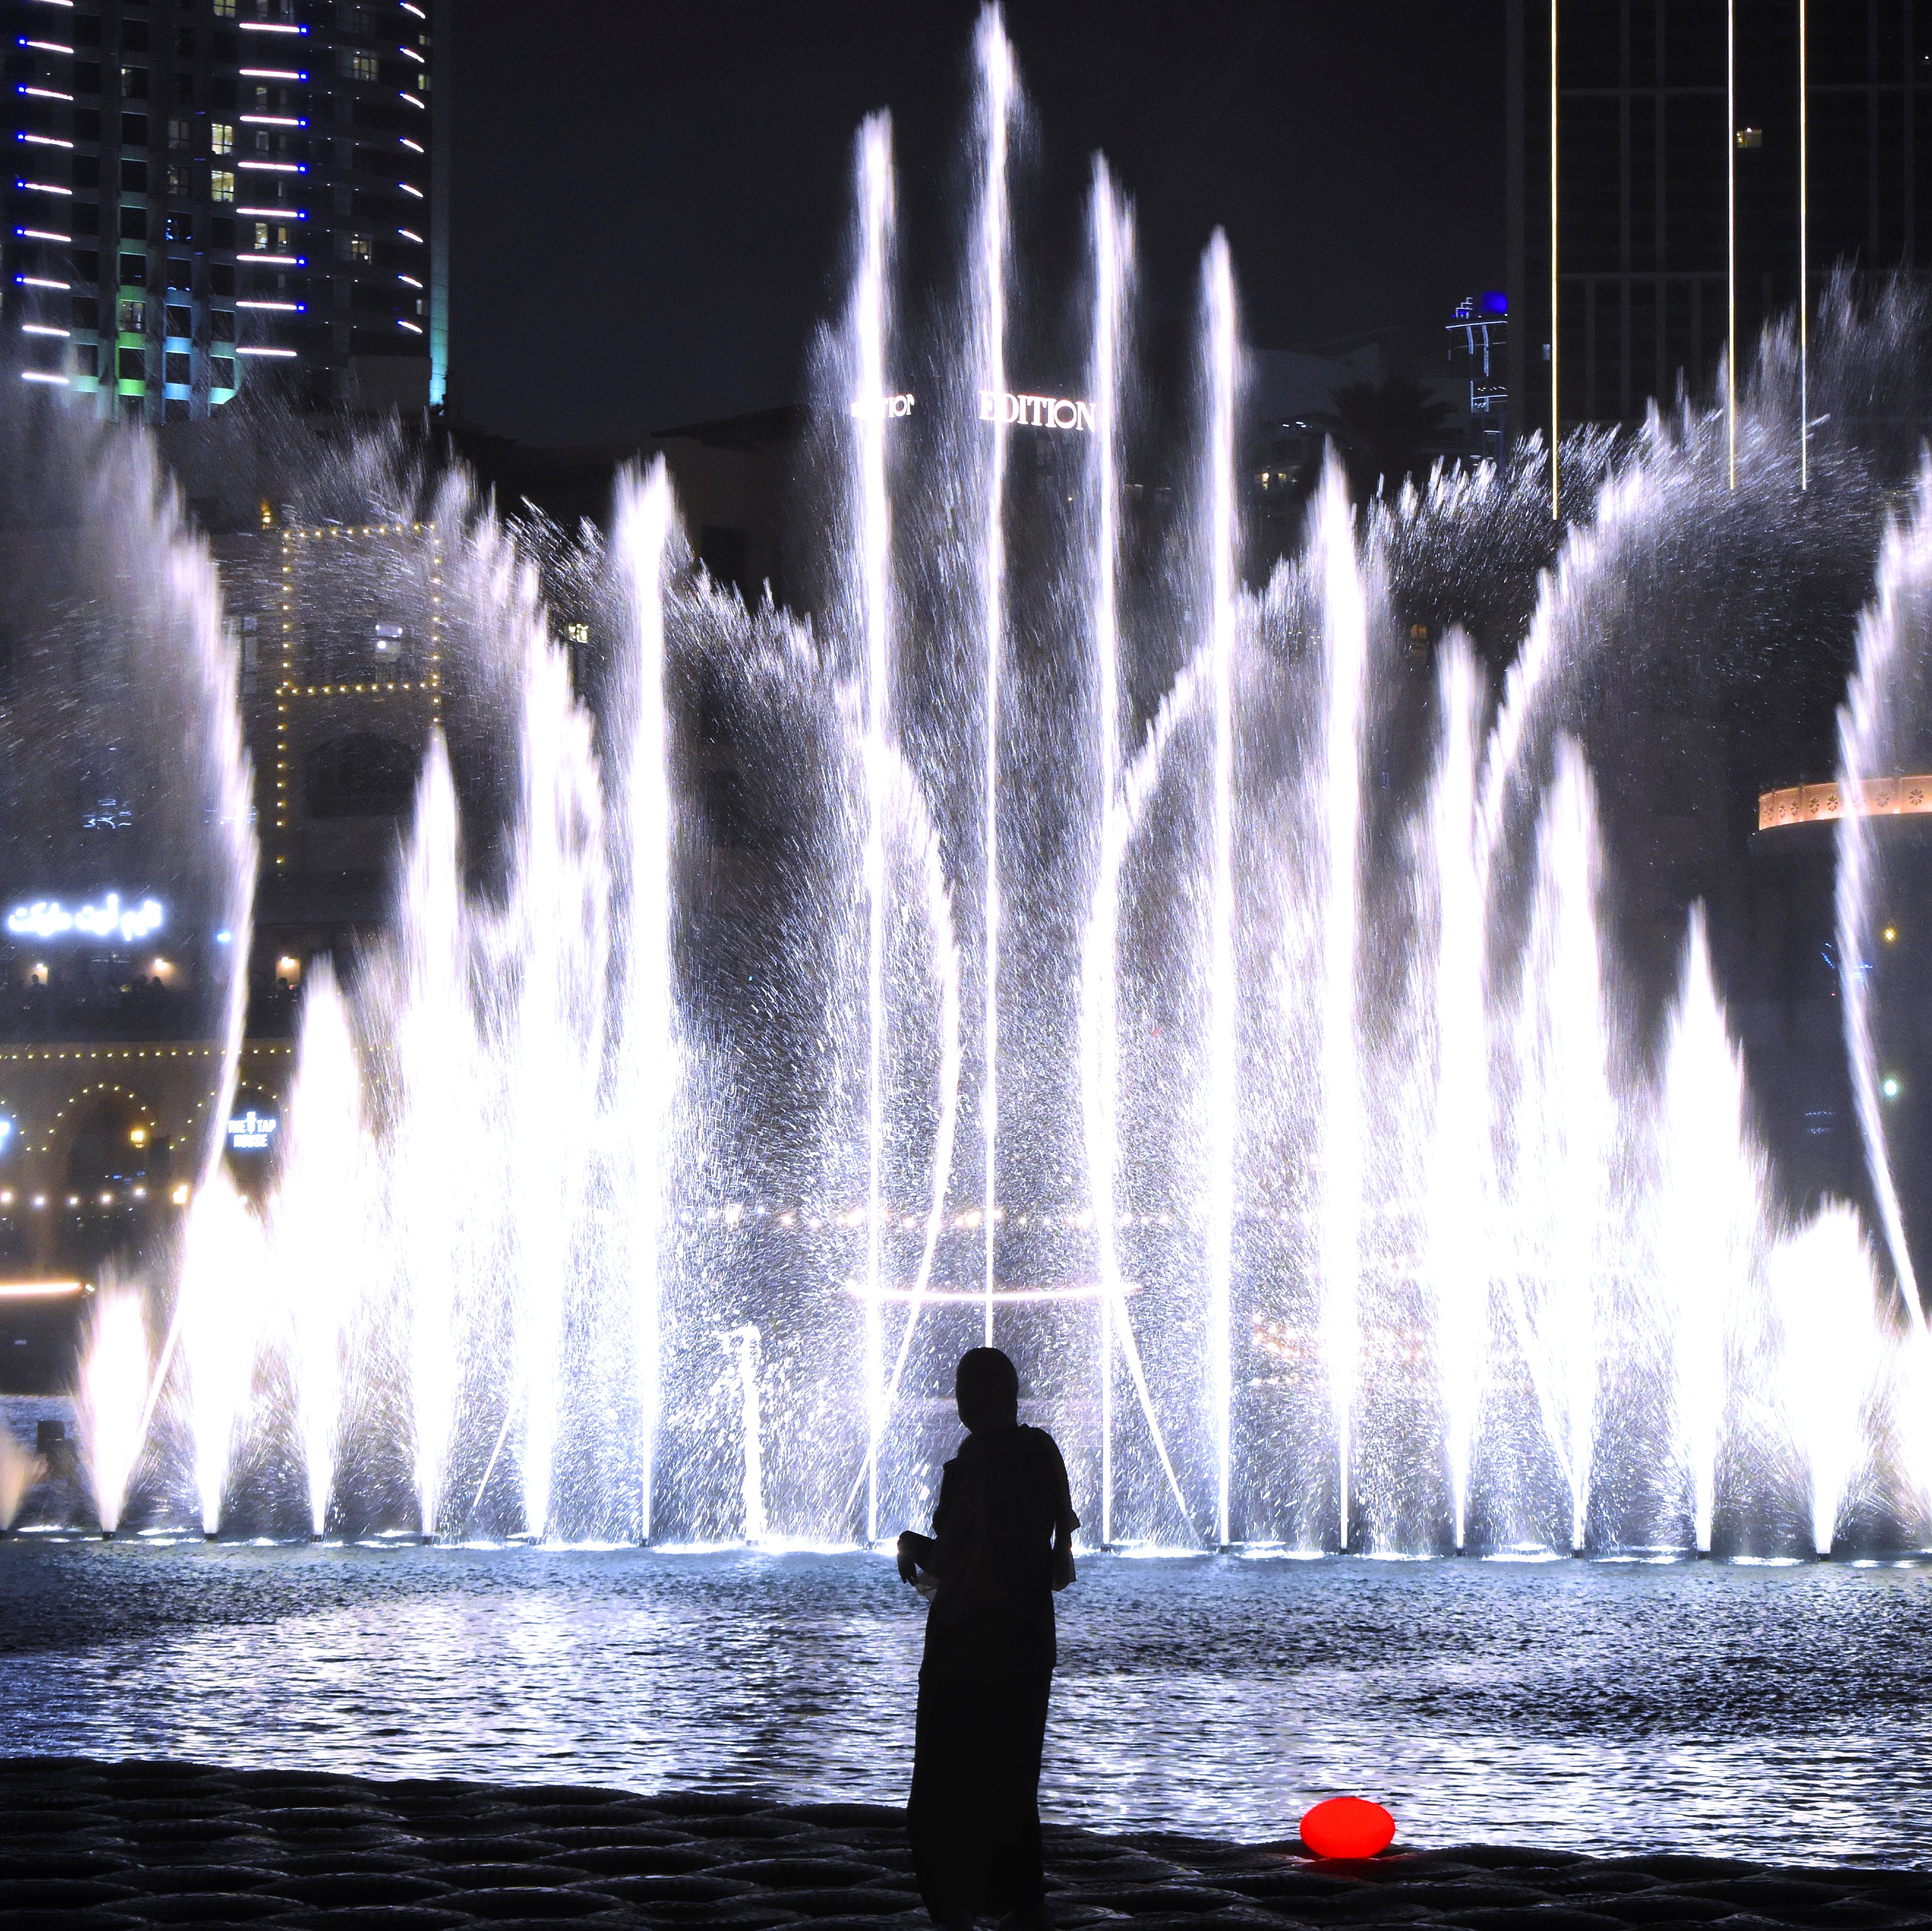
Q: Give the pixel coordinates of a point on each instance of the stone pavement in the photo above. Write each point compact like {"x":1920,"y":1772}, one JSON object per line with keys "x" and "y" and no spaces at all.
{"x":90,"y":1846}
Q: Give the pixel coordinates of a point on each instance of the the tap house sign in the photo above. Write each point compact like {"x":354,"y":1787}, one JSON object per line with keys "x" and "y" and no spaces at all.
{"x":250,"y":1132}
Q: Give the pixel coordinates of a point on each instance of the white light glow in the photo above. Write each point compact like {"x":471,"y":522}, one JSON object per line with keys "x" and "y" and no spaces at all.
{"x":409,"y":326}
{"x":40,"y":281}
{"x":41,"y":1290}
{"x":42,"y":328}
{"x":282,"y":308}
{"x":408,"y":189}
{"x":272,"y":121}
{"x":414,"y":147}
{"x":43,"y":140}
{"x":43,"y":93}
{"x":40,"y":235}
{"x":410,"y":280}
{"x":270,"y":73}
{"x":283,"y":355}
{"x":410,"y":234}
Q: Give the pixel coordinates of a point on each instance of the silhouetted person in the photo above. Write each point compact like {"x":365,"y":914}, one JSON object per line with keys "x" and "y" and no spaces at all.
{"x":1002,"y":1543}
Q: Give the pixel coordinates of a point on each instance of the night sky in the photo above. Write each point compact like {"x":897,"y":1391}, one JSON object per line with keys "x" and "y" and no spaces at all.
{"x":651,"y":199}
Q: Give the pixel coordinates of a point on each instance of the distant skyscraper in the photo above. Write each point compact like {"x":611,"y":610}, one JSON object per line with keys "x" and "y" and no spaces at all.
{"x":203,"y":195}
{"x":1679,"y":135}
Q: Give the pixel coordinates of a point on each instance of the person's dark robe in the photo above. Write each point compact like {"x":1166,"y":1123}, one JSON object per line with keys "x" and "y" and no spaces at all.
{"x":973,"y":1816}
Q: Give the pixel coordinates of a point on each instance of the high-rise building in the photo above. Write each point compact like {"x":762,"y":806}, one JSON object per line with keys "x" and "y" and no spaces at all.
{"x":1708,"y":153}
{"x":205,"y":196}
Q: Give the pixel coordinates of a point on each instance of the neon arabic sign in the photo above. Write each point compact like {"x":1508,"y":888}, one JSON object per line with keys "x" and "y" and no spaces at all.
{"x":48,"y":918}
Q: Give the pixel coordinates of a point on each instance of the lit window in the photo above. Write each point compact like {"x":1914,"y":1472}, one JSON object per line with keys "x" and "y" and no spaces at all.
{"x":221,"y":184}
{"x":224,"y":9}
{"x":578,"y":633}
{"x":362,"y":248}
{"x":359,"y":66}
{"x":1750,"y":137}
{"x":221,"y":134}
{"x":261,"y":234}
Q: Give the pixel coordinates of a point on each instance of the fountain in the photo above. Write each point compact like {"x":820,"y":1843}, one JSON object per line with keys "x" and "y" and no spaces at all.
{"x":1343,"y":1175}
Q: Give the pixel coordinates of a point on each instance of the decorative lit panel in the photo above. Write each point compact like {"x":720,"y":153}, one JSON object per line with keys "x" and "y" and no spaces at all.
{"x":1812,"y":804}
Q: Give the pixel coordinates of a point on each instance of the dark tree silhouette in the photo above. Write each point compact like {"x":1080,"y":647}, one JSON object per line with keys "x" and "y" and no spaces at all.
{"x":1385,"y":431}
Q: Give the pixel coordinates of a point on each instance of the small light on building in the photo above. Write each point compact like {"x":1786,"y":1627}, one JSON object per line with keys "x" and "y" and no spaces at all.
{"x":1750,"y":137}
{"x":179,"y":1196}
{"x":138,"y":1137}
{"x":1891,"y":934}
{"x":1888,"y":1086}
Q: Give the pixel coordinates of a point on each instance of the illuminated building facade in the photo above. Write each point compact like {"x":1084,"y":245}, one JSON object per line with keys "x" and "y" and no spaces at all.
{"x":202,"y":196}
{"x":1704,"y":150}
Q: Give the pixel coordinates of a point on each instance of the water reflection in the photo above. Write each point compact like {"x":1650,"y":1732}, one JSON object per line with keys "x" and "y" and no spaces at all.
{"x":1776,"y":1714}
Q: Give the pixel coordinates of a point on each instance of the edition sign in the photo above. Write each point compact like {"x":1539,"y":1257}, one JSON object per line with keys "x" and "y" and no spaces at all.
{"x":890,"y":407}
{"x":1035,"y":412}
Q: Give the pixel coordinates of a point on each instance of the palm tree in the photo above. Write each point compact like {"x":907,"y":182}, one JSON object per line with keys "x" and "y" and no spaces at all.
{"x":1385,"y":431}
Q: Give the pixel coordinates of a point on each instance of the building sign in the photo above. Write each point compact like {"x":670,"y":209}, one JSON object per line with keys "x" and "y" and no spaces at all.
{"x":48,"y":918}
{"x":250,"y":1132}
{"x":1035,"y":412}
{"x":1026,"y":411}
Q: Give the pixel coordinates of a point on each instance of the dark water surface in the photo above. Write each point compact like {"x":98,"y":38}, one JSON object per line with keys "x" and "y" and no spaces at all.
{"x":1774,"y":1713}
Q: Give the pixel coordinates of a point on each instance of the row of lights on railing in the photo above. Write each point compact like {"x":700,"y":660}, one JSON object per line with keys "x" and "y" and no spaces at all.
{"x":178,"y":1196}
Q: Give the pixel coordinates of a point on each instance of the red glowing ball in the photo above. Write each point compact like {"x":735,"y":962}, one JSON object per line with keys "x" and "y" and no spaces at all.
{"x":1347,"y":1826}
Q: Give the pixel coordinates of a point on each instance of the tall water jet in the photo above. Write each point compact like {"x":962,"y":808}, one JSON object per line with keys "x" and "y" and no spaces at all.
{"x":870,"y":299}
{"x":1113,"y":240}
{"x":318,"y":1232}
{"x":20,"y":1470}
{"x":1344,"y":643}
{"x":163,"y":578}
{"x":1461,"y":1182}
{"x":998,"y":94}
{"x":1830,"y":1351}
{"x":109,"y":1403}
{"x":431,"y":1138}
{"x":1562,"y":1127}
{"x":645,"y":1083}
{"x":1710,"y":1218}
{"x":1881,"y":728}
{"x":223,"y":1264}
{"x":741,"y":1344}
{"x":557,"y":914}
{"x":1221,"y":538}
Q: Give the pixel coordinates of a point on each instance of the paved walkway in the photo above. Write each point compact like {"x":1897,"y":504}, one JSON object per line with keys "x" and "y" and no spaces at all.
{"x":91,"y":1847}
